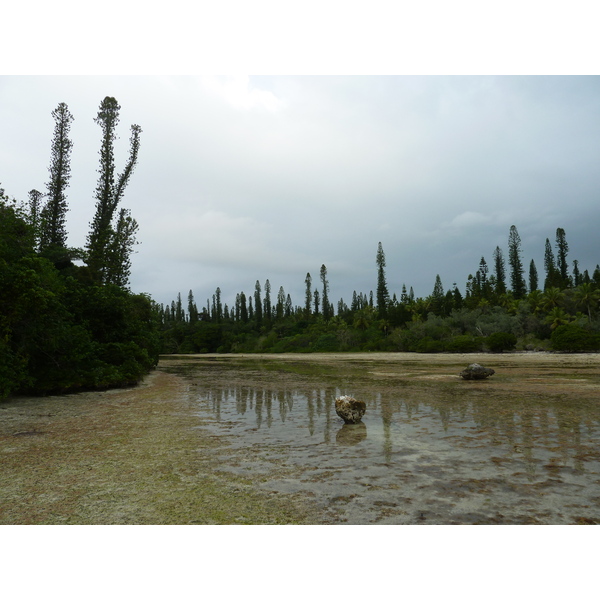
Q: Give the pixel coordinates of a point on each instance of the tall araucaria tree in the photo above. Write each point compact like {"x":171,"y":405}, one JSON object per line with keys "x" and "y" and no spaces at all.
{"x":110,"y":189}
{"x":258,"y":311}
{"x":499,"y":271}
{"x":267,"y":307}
{"x":218,"y":306}
{"x":316,"y":302}
{"x":308,"y":295}
{"x":483,"y":282}
{"x":53,"y":231}
{"x":243,"y":308}
{"x":383,"y":295}
{"x":552,"y":275}
{"x":533,"y":276}
{"x":437,"y":296}
{"x":120,"y":248}
{"x":517,"y":279}
{"x":577,"y":279}
{"x":280,"y":306}
{"x":562,"y":249}
{"x":325,"y":299}
{"x":178,"y":310}
{"x":192,"y":308}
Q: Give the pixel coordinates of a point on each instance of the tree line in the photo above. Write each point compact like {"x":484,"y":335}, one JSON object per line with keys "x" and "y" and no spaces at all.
{"x":66,"y":327}
{"x":502,"y":308}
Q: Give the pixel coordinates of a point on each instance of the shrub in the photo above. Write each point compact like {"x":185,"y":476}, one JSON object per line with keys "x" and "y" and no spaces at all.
{"x":296,"y":343}
{"x":405,"y":340}
{"x":463,"y":343}
{"x":500,"y":341}
{"x":574,"y":338}
{"x":326,"y":343}
{"x":531,"y":343}
{"x":429,"y":345}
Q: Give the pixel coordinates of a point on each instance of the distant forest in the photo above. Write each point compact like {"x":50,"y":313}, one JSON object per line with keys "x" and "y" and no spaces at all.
{"x":505,"y":306}
{"x":65,"y":327}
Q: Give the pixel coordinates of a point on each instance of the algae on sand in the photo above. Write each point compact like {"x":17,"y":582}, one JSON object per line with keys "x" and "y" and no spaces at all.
{"x":130,"y":456}
{"x":235,"y":439}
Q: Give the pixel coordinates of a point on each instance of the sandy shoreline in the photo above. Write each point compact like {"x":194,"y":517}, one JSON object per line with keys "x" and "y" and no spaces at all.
{"x":400,"y":357}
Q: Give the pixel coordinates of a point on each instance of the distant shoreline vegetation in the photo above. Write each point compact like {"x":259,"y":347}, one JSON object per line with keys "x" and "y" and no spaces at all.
{"x":63,"y":327}
{"x":500,"y":311}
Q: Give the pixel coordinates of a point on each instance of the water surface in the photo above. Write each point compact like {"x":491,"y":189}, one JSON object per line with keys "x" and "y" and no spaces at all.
{"x":521,"y":447}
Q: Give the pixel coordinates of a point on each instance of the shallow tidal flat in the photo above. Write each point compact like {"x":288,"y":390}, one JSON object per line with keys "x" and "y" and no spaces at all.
{"x":256,"y":439}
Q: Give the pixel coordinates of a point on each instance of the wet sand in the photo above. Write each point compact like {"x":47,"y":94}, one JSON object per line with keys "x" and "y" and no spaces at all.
{"x":255,"y":439}
{"x":124,"y":456}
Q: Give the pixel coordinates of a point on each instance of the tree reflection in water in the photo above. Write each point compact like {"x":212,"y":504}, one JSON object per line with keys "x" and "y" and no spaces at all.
{"x":444,"y":438}
{"x":515,"y":425}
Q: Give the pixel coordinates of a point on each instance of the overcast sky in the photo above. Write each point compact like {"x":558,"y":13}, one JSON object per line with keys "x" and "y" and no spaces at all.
{"x":246,"y":178}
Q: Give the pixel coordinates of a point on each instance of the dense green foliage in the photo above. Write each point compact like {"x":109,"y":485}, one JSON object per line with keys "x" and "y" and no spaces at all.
{"x":575,"y":338}
{"x":489,"y":317}
{"x":60,"y":330}
{"x":65,"y":327}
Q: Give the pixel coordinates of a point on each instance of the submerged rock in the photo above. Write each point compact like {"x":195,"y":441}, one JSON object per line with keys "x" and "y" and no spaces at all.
{"x":476,"y":371}
{"x":350,"y":409}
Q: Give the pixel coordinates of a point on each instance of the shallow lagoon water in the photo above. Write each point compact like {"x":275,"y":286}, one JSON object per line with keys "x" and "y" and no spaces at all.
{"x":519,"y":448}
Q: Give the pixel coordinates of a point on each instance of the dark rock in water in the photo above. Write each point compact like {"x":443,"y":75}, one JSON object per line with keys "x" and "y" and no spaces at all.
{"x":350,"y":409}
{"x":476,"y":371}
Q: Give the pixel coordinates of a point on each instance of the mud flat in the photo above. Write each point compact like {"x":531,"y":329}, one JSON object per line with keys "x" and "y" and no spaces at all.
{"x":255,"y":439}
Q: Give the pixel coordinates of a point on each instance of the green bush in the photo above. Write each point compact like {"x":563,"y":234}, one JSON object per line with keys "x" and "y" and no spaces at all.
{"x":326,"y":343}
{"x":501,"y":341}
{"x":463,"y":343}
{"x":574,"y":338}
{"x":531,"y":343}
{"x":266,"y":342}
{"x":405,"y":340}
{"x":429,"y":345}
{"x":296,"y":343}
{"x":207,"y":337}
